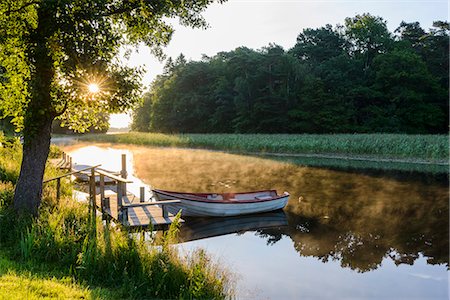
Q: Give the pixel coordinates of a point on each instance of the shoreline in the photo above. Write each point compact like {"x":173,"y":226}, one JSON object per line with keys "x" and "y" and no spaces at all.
{"x":65,"y":140}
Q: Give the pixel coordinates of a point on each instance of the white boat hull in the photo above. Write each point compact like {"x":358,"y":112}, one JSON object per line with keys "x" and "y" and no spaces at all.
{"x":190,"y":208}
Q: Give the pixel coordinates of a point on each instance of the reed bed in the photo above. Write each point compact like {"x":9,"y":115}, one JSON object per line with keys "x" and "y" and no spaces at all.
{"x":400,"y":146}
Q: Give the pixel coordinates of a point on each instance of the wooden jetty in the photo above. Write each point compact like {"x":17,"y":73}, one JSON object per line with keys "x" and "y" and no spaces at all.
{"x":114,"y":202}
{"x":136,"y":214}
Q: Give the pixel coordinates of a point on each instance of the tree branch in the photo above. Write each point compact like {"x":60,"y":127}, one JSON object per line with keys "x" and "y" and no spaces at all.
{"x":11,"y":11}
{"x":57,"y":114}
{"x":120,"y":10}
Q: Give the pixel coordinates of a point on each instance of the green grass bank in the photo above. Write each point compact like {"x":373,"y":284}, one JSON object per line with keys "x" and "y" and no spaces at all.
{"x":68,"y":254}
{"x":433,"y":148}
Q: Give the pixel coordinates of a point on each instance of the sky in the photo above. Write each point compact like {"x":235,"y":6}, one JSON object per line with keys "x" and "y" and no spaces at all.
{"x":256,"y":23}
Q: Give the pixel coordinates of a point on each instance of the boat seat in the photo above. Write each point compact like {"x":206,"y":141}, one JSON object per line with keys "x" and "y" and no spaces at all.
{"x":263,"y":197}
{"x":214,"y":197}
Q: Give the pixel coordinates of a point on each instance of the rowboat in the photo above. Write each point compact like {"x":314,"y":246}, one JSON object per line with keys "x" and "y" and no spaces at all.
{"x":222,"y":205}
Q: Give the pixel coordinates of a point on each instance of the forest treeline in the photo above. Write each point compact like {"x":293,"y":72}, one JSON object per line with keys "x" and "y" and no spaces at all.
{"x":356,"y":77}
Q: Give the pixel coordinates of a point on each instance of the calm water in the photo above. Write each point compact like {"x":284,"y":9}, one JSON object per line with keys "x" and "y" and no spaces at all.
{"x":344,"y":234}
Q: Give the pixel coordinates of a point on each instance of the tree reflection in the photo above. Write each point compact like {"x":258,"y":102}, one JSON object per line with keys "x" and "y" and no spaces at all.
{"x":374,"y":221}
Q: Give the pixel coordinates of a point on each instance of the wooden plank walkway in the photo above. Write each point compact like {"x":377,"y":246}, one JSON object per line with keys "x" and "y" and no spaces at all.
{"x":138,"y":216}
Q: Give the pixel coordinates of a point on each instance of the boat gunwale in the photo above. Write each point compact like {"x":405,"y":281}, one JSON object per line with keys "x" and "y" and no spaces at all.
{"x":179,"y":195}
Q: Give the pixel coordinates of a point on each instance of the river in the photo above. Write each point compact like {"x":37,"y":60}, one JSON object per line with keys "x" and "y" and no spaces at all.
{"x":345,"y":233}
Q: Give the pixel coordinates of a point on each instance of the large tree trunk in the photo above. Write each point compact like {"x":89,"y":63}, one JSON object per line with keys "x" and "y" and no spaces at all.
{"x":39,"y":115}
{"x":27,"y":196}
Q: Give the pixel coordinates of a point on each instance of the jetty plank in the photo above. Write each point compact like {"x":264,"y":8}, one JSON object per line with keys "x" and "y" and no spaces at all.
{"x":140,"y":214}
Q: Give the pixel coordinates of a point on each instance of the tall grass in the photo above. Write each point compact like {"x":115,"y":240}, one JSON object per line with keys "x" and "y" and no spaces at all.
{"x":423,"y":147}
{"x":95,"y":254}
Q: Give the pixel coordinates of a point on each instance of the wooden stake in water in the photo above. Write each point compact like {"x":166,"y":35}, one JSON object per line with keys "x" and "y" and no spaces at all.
{"x":123,"y":172}
{"x":142,"y":194}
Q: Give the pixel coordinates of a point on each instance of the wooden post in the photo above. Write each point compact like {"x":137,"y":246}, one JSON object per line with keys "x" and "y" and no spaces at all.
{"x":102,"y":193}
{"x":91,"y":179}
{"x":58,"y":189}
{"x":123,"y":172}
{"x":92,"y":189}
{"x":70,"y":163}
{"x":105,"y":207}
{"x":119,"y":193}
{"x":64,"y":157}
{"x":107,"y":215}
{"x":119,"y":201}
{"x":107,"y":203}
{"x":93,"y":204}
{"x":165,"y":213}
{"x":125,"y":216}
{"x":142,"y":194}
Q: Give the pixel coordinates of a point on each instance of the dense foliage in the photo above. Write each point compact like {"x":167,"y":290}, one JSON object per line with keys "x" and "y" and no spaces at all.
{"x":101,"y":127}
{"x":358,"y":77}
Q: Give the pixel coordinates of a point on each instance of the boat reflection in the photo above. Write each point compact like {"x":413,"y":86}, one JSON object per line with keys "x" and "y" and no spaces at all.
{"x":200,"y":228}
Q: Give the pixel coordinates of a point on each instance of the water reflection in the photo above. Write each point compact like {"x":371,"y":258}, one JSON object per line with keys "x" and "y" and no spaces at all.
{"x":359,"y":220}
{"x":200,"y":228}
{"x":356,"y":218}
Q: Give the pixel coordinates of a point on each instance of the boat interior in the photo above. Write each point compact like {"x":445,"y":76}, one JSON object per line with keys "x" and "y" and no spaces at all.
{"x":263,"y":195}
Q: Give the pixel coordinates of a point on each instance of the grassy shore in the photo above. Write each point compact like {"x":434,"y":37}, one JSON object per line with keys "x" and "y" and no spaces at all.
{"x":67,"y":254}
{"x":19,"y":280}
{"x":433,"y":148}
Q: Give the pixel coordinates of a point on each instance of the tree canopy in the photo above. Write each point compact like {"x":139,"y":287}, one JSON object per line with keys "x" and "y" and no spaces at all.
{"x":359,"y":77}
{"x":66,"y":45}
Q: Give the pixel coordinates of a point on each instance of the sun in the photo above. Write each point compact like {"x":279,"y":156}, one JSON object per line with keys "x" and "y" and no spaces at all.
{"x":93,"y":88}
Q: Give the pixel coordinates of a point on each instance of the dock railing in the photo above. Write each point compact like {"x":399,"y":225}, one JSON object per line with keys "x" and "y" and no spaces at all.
{"x":58,"y":179}
{"x":65,"y":162}
{"x":104,"y":201}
